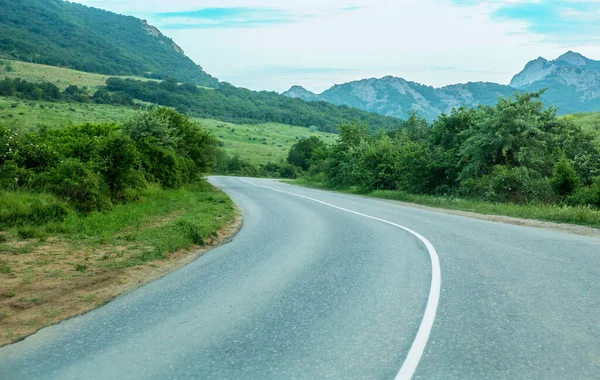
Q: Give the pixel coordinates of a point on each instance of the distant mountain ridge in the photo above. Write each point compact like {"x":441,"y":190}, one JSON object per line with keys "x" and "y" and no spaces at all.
{"x":60,"y":33}
{"x":573,"y":83}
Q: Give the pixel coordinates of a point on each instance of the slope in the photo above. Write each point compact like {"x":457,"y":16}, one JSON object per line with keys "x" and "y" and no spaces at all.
{"x":59,"y":33}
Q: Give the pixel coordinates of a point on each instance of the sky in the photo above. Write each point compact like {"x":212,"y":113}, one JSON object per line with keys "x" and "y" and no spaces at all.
{"x":274,"y":44}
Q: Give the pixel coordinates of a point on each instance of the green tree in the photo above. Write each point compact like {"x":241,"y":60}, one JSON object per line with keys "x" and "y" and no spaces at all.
{"x":303,"y":152}
{"x":119,"y":164}
{"x":564,"y":179}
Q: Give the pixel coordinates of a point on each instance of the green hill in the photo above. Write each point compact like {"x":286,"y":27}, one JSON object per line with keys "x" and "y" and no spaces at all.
{"x":59,"y":33}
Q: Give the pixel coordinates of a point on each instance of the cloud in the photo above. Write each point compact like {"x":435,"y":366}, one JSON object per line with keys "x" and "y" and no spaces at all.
{"x":240,"y":17}
{"x":273,"y":44}
{"x":560,"y":21}
{"x":237,"y":17}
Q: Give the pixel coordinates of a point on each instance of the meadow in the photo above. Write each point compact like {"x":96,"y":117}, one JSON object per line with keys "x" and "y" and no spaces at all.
{"x":61,"y":77}
{"x":257,"y":143}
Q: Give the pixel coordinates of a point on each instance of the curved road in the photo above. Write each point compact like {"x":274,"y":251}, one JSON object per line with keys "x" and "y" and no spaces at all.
{"x":323,"y":285}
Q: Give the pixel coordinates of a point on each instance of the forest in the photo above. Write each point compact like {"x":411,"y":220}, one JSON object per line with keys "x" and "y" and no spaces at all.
{"x":239,"y":105}
{"x":517,"y":151}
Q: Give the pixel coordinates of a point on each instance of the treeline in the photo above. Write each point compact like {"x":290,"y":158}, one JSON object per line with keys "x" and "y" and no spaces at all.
{"x":92,"y":167}
{"x":516,"y":151}
{"x":50,"y":92}
{"x":242,"y":106}
{"x":235,"y":165}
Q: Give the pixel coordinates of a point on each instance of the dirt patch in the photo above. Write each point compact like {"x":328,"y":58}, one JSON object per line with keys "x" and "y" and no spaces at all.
{"x":559,"y":227}
{"x":53,"y":281}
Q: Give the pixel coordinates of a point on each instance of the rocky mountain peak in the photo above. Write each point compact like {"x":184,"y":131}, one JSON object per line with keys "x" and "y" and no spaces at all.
{"x":572,"y":58}
{"x":297,"y":91}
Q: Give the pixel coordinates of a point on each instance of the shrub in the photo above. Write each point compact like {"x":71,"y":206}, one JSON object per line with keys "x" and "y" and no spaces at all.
{"x":151,"y":128}
{"x":516,"y":185}
{"x":278,"y":170}
{"x":32,"y":152}
{"x":12,"y":176}
{"x":165,"y":166}
{"x":118,"y":163}
{"x":587,"y":196}
{"x":564,"y":179}
{"x":74,"y":182}
{"x":20,"y":208}
{"x":32,"y":232}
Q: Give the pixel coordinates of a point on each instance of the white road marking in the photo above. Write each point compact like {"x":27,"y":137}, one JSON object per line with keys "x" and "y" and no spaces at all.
{"x":418,"y":346}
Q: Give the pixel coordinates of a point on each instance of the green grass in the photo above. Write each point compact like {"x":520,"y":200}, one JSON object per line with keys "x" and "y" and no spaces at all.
{"x":28,"y":115}
{"x":589,"y":121}
{"x":551,"y":213}
{"x":162,"y":221}
{"x":61,"y":77}
{"x":258,"y":143}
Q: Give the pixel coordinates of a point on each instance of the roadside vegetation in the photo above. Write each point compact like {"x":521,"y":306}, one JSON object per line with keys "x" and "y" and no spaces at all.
{"x":516,"y":158}
{"x":82,"y":206}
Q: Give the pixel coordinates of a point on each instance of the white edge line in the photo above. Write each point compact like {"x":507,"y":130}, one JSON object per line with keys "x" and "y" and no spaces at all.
{"x":418,"y":346}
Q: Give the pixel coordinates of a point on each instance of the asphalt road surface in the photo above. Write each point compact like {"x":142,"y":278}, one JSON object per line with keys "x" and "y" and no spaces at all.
{"x":322,"y":285}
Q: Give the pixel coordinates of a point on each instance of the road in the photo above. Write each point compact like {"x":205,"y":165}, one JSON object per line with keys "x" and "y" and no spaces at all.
{"x":324,"y":285}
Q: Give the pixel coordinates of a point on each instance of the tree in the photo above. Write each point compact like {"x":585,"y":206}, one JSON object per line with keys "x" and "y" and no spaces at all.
{"x":564,"y":179}
{"x":304,"y":151}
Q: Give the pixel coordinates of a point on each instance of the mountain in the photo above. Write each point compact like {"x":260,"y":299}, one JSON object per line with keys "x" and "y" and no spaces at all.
{"x":572,"y":82}
{"x":299,"y":92}
{"x":60,"y":33}
{"x":398,"y":97}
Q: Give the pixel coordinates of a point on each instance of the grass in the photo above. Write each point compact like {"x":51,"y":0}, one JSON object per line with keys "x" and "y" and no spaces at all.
{"x":589,"y":121}
{"x":61,"y":77}
{"x":84,"y":261}
{"x":551,"y":213}
{"x":29,"y":115}
{"x":258,"y":143}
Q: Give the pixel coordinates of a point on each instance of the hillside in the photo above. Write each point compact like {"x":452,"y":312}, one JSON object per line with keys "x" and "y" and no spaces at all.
{"x":572,"y":80}
{"x":59,"y":76}
{"x":59,"y":33}
{"x":243,"y":106}
{"x":589,"y":121}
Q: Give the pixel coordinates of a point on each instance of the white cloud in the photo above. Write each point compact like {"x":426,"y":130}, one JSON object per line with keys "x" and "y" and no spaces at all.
{"x":430,"y":41}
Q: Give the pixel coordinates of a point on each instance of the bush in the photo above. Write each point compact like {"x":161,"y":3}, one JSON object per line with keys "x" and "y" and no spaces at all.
{"x":74,"y":182}
{"x":278,"y":170}
{"x":587,"y":196}
{"x":165,"y":166}
{"x":119,"y":163}
{"x":21,"y":208}
{"x":12,"y":177}
{"x":31,"y":232}
{"x":564,"y":179}
{"x":515,"y":185}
